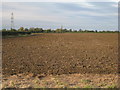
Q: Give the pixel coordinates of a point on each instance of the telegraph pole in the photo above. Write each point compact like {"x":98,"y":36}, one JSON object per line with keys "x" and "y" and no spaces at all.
{"x":61,"y":28}
{"x":12,"y":21}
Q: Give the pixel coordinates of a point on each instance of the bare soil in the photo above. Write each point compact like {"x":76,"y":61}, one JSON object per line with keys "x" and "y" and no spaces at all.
{"x":61,"y":81}
{"x":61,"y":54}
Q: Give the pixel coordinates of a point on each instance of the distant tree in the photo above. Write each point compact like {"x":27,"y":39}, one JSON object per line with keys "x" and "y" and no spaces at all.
{"x":41,"y":30}
{"x":75,"y":31}
{"x":21,"y":29}
{"x":80,"y":30}
{"x":58,"y":31}
{"x":26,"y":29}
{"x":53,"y":31}
{"x":48,"y":30}
{"x":36,"y":30}
{"x":4,"y":30}
{"x":13,"y":30}
{"x":70,"y":30}
{"x":31,"y":29}
{"x":86,"y":31}
{"x":65,"y":30}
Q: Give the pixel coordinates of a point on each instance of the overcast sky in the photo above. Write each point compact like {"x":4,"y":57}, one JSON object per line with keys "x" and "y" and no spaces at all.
{"x":74,"y":15}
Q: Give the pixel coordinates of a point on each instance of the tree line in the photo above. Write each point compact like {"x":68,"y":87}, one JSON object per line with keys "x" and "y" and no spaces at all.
{"x":23,"y":31}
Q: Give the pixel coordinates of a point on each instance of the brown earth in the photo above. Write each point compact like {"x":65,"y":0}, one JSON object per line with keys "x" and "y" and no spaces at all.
{"x":61,"y":81}
{"x":61,"y":54}
{"x":78,"y":60}
{"x":56,"y":54}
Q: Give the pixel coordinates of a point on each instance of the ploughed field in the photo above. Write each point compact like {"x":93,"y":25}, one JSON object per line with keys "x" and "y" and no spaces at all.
{"x":61,"y":53}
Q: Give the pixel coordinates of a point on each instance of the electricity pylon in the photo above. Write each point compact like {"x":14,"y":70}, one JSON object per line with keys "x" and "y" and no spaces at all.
{"x":12,"y":21}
